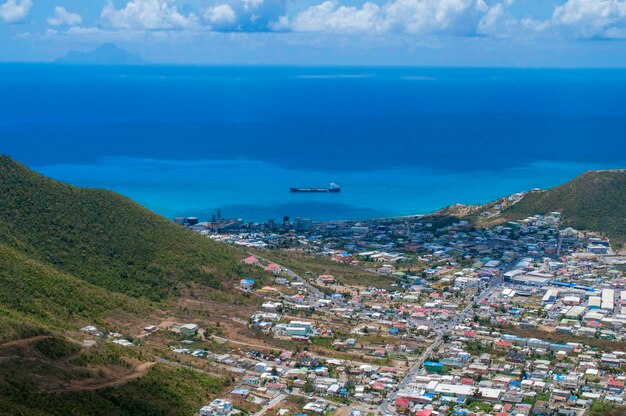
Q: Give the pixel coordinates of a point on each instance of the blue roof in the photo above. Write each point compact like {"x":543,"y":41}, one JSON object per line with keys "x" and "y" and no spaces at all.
{"x":432,"y":363}
{"x":240,"y":391}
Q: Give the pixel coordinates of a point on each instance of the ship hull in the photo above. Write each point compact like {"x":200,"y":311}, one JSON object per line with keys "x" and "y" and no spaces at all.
{"x":315,"y":190}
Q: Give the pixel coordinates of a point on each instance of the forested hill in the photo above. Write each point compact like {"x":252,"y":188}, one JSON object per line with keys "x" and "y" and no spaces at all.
{"x":103,"y":238}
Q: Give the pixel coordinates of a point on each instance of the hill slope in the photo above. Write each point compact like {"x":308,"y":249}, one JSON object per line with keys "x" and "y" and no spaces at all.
{"x":71,"y":257}
{"x":594,"y":201}
{"x":104,"y":238}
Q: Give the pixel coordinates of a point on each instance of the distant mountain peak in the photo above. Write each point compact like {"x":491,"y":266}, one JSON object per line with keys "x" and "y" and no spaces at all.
{"x":105,"y":54}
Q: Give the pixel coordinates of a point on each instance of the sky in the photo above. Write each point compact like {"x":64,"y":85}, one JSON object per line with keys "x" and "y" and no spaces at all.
{"x":510,"y":33}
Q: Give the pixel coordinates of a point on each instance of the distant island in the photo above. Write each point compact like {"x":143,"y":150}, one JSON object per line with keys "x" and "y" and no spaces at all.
{"x":105,"y":54}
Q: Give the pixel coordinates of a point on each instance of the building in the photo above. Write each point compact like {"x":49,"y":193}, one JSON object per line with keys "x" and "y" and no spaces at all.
{"x":299,"y":329}
{"x":608,"y":300}
{"x":550,"y":296}
{"x":327,"y":279}
{"x":433,"y":367}
{"x":189,"y":330}
{"x":218,"y":407}
{"x":530,"y":280}
{"x":251,"y":260}
{"x":247,"y":284}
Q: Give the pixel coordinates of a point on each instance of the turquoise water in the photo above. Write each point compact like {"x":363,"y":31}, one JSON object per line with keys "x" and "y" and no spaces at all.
{"x":259,"y":191}
{"x":400,"y":141}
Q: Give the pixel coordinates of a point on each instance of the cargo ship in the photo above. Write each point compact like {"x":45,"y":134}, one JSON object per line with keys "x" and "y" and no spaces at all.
{"x":332,"y":188}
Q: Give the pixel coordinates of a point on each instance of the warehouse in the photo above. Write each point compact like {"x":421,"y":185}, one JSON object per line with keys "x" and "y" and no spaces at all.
{"x":550,"y":296}
{"x":608,"y":300}
{"x":595,"y":302}
{"x":529,"y":280}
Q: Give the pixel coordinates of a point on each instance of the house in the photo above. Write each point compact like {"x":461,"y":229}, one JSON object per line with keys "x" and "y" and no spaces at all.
{"x":218,"y":407}
{"x":240,"y":393}
{"x":247,"y":284}
{"x":379,"y":352}
{"x":251,"y":260}
{"x":251,"y":380}
{"x":315,"y":407}
{"x":327,"y":279}
{"x":273,"y":268}
{"x":433,"y":367}
{"x":189,"y":330}
{"x":503,"y":345}
{"x":299,"y":328}
{"x":271,"y":306}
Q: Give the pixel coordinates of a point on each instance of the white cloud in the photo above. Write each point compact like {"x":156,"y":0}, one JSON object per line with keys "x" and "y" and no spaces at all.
{"x":147,"y":15}
{"x":330,"y":17}
{"x":415,"y":17}
{"x":221,"y":14}
{"x":15,"y":10}
{"x":591,"y":18}
{"x":245,"y":15}
{"x":63,"y":17}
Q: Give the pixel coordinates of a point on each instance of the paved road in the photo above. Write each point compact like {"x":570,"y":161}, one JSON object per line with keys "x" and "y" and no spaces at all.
{"x":315,"y":292}
{"x":276,"y":400}
{"x":385,"y":407}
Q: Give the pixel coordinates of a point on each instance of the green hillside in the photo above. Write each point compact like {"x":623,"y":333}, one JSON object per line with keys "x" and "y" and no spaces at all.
{"x":71,"y":257}
{"x":34,"y":292}
{"x":161,"y":392}
{"x":104,"y":238}
{"x":593,"y":201}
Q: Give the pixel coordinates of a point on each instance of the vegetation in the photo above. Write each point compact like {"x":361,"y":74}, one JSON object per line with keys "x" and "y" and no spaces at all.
{"x":104,"y":238}
{"x":599,"y":408}
{"x":56,"y":347}
{"x":309,"y":266}
{"x":71,"y":257}
{"x":595,"y":201}
{"x":37,"y":292}
{"x":162,"y":391}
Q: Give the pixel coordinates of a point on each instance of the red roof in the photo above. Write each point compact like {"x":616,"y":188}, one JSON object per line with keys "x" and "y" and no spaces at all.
{"x":251,"y":260}
{"x":402,"y":401}
{"x":424,"y":412}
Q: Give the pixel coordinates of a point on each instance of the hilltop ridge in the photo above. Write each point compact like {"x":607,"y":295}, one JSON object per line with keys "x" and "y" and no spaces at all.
{"x":593,"y":201}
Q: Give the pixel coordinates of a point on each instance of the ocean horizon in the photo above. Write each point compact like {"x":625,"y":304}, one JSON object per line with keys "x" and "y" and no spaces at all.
{"x":185,"y":141}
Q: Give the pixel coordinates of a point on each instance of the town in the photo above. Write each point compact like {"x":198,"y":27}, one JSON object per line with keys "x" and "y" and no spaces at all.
{"x":410,"y":317}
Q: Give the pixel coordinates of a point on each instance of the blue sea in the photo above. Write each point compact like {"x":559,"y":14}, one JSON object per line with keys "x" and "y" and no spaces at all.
{"x":187,"y":140}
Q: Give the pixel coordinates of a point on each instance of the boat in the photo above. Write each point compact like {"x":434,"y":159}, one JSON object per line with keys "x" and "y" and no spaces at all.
{"x":332,"y":188}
